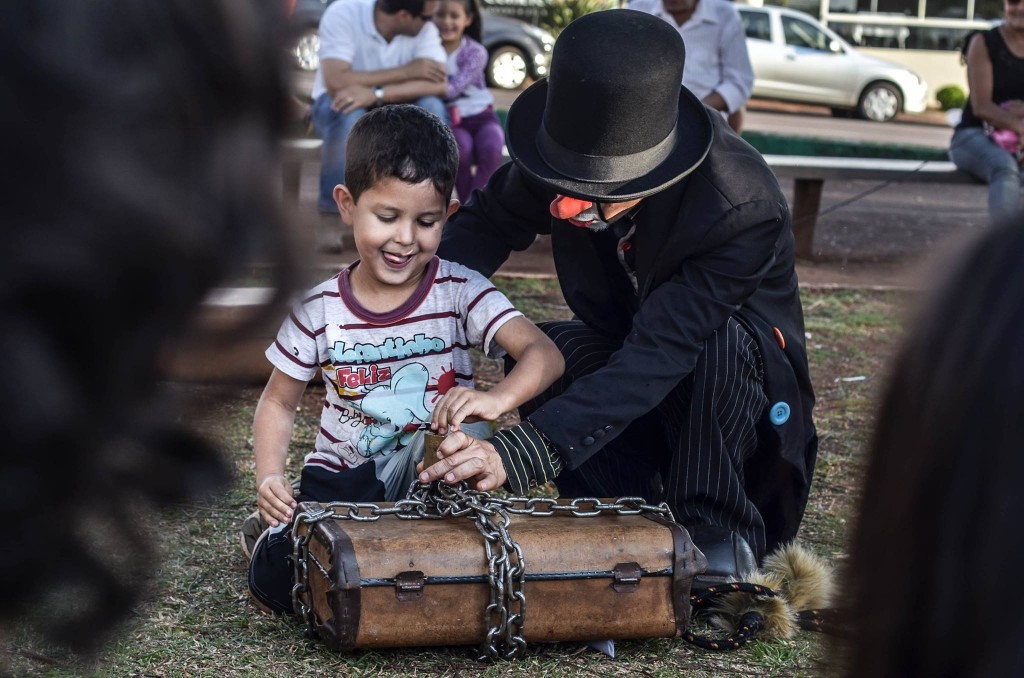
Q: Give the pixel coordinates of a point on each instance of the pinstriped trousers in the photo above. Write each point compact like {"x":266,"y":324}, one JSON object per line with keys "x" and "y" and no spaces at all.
{"x":690,"y":450}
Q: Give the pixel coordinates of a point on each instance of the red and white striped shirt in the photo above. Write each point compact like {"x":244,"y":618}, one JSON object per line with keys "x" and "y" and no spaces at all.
{"x":385,"y":371}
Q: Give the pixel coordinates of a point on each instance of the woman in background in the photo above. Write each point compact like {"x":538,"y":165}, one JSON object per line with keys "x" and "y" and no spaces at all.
{"x":987,"y":142}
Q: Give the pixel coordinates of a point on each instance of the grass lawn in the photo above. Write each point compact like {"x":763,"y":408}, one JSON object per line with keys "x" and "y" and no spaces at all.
{"x":199,"y":622}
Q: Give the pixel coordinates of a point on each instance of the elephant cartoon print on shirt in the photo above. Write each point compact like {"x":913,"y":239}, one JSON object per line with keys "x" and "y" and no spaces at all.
{"x":398,"y":410}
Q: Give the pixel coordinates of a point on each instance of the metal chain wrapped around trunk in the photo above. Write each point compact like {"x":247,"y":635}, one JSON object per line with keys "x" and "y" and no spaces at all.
{"x":505,"y":615}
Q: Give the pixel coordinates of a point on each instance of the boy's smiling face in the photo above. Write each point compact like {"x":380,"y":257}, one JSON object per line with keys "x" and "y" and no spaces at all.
{"x":397,"y":229}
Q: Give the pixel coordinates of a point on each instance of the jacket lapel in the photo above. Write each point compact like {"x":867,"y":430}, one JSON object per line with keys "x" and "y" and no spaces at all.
{"x":656,"y":220}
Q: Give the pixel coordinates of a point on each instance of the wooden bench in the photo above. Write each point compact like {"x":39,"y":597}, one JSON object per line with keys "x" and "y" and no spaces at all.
{"x":807,"y":172}
{"x":295,"y":152}
{"x":238,"y":360}
{"x":810,"y":172}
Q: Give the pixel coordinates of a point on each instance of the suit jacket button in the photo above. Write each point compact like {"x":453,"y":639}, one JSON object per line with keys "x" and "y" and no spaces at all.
{"x":587,"y":441}
{"x":779,"y":413}
{"x":599,"y":433}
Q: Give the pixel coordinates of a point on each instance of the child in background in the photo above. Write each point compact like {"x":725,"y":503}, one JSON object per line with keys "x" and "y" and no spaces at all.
{"x":470,"y":106}
{"x":391,"y":334}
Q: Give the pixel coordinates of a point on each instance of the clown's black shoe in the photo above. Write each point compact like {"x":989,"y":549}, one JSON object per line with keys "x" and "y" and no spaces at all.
{"x":729,"y":555}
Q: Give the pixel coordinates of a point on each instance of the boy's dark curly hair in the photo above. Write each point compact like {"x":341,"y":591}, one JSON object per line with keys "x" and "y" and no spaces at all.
{"x":139,"y":140}
{"x":401,"y":141}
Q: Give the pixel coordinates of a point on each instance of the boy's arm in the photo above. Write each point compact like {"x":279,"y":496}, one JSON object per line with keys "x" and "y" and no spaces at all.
{"x":272,"y":432}
{"x":521,"y":455}
{"x":538,"y":362}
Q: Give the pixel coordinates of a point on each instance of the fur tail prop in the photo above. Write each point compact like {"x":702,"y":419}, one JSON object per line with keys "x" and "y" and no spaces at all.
{"x":802,"y":581}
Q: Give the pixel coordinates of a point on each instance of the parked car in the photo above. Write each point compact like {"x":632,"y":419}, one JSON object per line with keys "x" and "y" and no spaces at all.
{"x":795,"y":58}
{"x":517,"y":50}
{"x":304,"y":21}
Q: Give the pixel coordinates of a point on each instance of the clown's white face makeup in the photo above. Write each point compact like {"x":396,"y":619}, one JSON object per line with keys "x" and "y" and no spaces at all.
{"x":591,"y":215}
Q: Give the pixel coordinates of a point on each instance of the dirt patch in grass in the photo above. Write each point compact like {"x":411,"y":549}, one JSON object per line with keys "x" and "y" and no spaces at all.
{"x":199,"y":622}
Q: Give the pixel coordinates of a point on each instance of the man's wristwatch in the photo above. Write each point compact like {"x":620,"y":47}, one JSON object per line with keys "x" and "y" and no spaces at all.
{"x":378,"y":92}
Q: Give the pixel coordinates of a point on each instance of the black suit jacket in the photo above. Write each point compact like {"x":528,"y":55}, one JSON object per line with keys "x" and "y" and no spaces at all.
{"x":717,"y":244}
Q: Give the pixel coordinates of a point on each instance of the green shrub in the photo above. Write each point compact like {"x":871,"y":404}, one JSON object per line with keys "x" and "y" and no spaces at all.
{"x":560,"y":13}
{"x":951,"y":96}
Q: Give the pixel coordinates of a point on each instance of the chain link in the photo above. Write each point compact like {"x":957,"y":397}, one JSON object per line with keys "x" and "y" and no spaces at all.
{"x":505,"y":614}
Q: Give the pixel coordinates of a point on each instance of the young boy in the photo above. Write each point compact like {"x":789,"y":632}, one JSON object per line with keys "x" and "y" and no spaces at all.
{"x":391,"y":334}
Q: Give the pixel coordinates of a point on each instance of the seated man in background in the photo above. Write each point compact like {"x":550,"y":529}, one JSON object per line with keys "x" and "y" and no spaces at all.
{"x":372,"y":52}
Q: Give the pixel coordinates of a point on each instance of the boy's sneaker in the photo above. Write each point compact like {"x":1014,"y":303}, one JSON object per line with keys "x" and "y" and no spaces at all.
{"x":270,"y":571}
{"x":252,"y":528}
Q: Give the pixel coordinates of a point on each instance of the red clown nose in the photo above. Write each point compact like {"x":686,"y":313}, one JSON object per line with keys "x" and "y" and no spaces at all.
{"x":563,"y":207}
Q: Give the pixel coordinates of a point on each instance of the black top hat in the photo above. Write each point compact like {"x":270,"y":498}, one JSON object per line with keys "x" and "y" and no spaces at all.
{"x":612,"y":121}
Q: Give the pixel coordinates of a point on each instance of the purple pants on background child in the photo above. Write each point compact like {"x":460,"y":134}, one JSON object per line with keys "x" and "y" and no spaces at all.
{"x":480,"y":139}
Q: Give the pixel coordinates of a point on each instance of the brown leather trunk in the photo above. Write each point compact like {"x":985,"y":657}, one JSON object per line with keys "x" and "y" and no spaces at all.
{"x":397,"y":583}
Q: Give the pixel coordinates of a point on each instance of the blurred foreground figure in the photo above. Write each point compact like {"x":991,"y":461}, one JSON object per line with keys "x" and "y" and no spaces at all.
{"x":138,"y":141}
{"x":938,"y":547}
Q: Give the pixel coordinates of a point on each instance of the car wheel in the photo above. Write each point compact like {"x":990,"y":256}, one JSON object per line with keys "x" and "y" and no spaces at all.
{"x":307,"y":50}
{"x":507,"y":68}
{"x":880,"y":102}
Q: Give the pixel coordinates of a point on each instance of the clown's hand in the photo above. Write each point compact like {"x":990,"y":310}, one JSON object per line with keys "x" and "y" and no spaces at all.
{"x":463,"y":457}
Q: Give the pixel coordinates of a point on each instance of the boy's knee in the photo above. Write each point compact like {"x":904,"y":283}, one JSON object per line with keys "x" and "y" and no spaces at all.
{"x":270,"y":571}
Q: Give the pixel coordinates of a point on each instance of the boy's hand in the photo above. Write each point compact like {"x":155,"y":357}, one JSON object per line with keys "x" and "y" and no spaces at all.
{"x":464,"y":457}
{"x":274,"y":496}
{"x":465,"y":404}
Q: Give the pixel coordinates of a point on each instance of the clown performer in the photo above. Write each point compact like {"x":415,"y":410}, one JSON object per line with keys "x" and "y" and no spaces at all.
{"x":686,"y":375}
